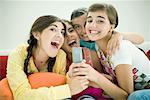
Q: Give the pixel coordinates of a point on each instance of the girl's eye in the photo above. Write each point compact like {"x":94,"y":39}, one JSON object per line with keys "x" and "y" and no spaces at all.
{"x":53,"y":29}
{"x":71,"y":30}
{"x":77,"y":27}
{"x":63,"y":32}
{"x":99,"y":21}
{"x":89,"y":20}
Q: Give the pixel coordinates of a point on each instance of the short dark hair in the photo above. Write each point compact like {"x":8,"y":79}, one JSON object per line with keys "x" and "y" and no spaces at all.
{"x":78,"y":12}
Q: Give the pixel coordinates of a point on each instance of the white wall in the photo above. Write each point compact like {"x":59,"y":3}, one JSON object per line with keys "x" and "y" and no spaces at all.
{"x":0,"y":26}
{"x":16,"y":17}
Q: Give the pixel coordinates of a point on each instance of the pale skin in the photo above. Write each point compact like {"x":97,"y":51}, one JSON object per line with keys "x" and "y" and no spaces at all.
{"x":113,"y":44}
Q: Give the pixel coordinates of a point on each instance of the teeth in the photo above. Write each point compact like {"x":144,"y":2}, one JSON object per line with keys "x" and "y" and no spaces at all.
{"x":57,"y":42}
{"x":71,"y":41}
{"x":94,"y":32}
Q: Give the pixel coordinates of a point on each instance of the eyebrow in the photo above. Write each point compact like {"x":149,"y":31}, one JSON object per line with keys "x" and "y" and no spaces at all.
{"x":101,"y":17}
{"x":56,"y":26}
{"x":76,"y":25}
{"x":53,"y":25}
{"x":89,"y":17}
{"x":70,"y":28}
{"x":97,"y":17}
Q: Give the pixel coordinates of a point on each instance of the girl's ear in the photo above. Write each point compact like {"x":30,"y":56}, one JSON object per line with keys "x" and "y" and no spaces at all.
{"x":36,"y":35}
{"x":112,"y":27}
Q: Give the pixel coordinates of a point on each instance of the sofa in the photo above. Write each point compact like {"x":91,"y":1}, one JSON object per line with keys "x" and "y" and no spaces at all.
{"x":3,"y":58}
{"x":38,"y":79}
{"x":3,"y":65}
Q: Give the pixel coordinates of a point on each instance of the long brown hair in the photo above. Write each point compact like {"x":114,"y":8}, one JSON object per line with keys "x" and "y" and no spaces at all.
{"x":38,"y":26}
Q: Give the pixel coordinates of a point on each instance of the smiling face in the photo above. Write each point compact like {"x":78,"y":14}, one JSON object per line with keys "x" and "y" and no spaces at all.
{"x":79,"y":23}
{"x":51,"y":39}
{"x":98,"y":25}
{"x":71,"y":38}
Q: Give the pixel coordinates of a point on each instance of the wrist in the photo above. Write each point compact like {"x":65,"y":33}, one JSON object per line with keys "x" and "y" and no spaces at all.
{"x":98,"y":77}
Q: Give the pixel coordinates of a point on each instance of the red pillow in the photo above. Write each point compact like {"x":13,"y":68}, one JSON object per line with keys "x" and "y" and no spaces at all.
{"x":3,"y":64}
{"x":36,"y":80}
{"x":148,"y":54}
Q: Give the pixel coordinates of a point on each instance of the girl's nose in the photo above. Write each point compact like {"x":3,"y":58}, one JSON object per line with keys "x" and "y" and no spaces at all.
{"x":68,"y":34}
{"x":59,"y":35}
{"x":93,"y":24}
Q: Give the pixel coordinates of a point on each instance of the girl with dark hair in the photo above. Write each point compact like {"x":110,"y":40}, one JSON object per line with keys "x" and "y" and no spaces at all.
{"x":72,"y":40}
{"x":42,"y":54}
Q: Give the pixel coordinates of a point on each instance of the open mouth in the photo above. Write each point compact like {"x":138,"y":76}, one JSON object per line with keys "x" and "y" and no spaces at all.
{"x":72,"y":43}
{"x":55,"y":44}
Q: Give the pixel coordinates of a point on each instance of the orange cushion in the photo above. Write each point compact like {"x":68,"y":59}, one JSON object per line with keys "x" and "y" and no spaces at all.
{"x":46,"y":79}
{"x":5,"y":92}
{"x":36,"y":80}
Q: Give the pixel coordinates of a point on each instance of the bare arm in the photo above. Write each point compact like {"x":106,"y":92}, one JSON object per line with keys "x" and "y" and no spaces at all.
{"x":125,"y":82}
{"x":125,"y":77}
{"x":110,"y":88}
{"x":133,"y":37}
{"x":114,"y":42}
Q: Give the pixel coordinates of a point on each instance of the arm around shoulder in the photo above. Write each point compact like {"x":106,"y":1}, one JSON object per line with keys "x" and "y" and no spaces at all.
{"x":133,"y":37}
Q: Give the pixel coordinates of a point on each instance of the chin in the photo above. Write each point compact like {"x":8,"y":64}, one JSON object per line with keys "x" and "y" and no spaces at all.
{"x":86,"y":39}
{"x":53,"y":54}
{"x":92,"y":39}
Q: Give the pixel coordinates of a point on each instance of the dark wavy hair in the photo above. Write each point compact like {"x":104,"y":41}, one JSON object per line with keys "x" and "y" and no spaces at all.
{"x":38,"y":26}
{"x":78,"y":12}
{"x":109,"y":9}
